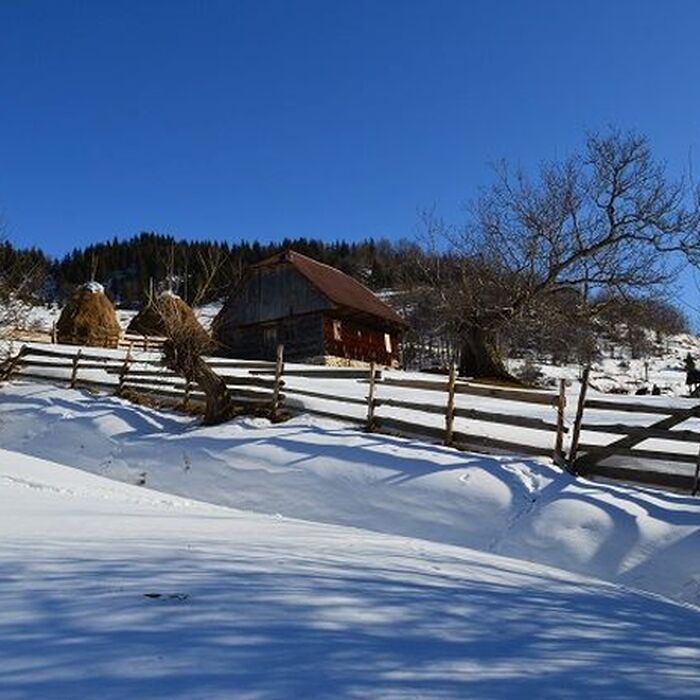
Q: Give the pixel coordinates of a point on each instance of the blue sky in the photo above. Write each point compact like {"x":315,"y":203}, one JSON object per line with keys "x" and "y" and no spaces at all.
{"x":267,"y":119}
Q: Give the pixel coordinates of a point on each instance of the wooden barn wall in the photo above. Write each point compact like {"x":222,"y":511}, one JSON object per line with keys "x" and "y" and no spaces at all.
{"x":356,"y":341}
{"x":302,"y":337}
{"x":271,"y":293}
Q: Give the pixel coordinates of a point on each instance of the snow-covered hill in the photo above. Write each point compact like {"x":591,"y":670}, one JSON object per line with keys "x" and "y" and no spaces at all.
{"x":323,"y":471}
{"x":617,"y":372}
{"x":112,"y":591}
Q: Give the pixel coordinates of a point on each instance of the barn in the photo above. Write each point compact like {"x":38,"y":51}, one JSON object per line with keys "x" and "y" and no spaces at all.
{"x":317,"y":312}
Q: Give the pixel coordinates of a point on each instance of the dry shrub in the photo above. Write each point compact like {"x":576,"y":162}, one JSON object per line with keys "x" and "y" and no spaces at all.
{"x":89,"y":318}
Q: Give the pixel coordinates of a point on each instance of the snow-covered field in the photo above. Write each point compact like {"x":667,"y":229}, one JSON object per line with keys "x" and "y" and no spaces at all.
{"x":116,"y":591}
{"x":323,"y":471}
{"x":144,"y":556}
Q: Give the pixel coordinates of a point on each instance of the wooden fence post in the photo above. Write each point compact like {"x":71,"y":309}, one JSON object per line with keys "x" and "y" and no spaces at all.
{"x":370,"y":397}
{"x":74,"y":372}
{"x":54,"y":336}
{"x":450,"y":408}
{"x":8,"y":368}
{"x":559,"y":440}
{"x":145,"y":343}
{"x":124,"y":371}
{"x":579,"y":419}
{"x":278,"y":383}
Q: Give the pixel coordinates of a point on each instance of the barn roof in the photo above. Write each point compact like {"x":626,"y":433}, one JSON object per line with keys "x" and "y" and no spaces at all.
{"x":340,"y":288}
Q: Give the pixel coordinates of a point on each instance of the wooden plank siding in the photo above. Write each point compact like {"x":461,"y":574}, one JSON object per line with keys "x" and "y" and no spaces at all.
{"x":352,"y":340}
{"x":279,"y":305}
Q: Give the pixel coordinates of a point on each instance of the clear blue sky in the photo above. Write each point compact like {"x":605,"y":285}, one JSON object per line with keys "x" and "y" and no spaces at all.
{"x":267,"y":119}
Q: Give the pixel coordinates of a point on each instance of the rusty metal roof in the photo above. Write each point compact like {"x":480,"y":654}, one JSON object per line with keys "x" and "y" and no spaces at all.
{"x":340,"y":288}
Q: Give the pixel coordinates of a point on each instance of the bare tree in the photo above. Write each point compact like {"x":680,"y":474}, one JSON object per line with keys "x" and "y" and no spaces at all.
{"x":188,"y":343}
{"x":608,"y":218}
{"x":21,"y":277}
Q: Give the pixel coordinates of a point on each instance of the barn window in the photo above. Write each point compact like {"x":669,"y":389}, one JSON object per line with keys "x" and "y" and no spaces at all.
{"x":337,"y":330}
{"x":387,"y":342}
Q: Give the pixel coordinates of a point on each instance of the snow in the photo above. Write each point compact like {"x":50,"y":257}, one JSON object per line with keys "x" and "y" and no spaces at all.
{"x":94,"y":287}
{"x":616,"y":371}
{"x":113,"y":591}
{"x":320,"y":470}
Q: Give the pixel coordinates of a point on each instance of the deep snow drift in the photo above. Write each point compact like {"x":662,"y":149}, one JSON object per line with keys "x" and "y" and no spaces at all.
{"x":113,"y":591}
{"x":322,"y":471}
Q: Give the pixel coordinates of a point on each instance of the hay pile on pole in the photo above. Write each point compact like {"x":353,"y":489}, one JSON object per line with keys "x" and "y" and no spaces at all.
{"x":164,"y":313}
{"x":89,"y":318}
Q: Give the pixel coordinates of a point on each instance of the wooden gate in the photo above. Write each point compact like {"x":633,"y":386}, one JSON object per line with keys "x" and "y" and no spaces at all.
{"x":586,"y":458}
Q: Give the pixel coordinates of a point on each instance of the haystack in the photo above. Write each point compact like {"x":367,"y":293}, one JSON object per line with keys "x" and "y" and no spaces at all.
{"x":89,"y":318}
{"x":150,"y":320}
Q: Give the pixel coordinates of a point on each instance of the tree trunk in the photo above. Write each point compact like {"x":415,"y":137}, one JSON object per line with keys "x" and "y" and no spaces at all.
{"x":479,"y":357}
{"x":219,"y":406}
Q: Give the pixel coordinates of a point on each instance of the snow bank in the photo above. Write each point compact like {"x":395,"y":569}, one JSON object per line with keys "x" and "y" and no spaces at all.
{"x":113,"y":591}
{"x":322,"y":471}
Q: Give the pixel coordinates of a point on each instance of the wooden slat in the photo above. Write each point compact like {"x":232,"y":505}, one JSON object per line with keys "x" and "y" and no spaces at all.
{"x":107,"y":386}
{"x":321,"y":373}
{"x":411,"y":405}
{"x":650,"y":433}
{"x":249,"y":381}
{"x":682,"y":482}
{"x":61,"y":364}
{"x":262,"y":394}
{"x":104,"y":386}
{"x":522,"y":395}
{"x":621,"y":407}
{"x":658,"y":455}
{"x":460,"y":439}
{"x":425,"y":384}
{"x":334,"y":415}
{"x":164,"y":391}
{"x":223,"y":362}
{"x":473,"y":414}
{"x":150,"y":373}
{"x":42,"y":352}
{"x":137,"y":337}
{"x":28,"y":362}
{"x":325,"y":397}
{"x":167,"y":381}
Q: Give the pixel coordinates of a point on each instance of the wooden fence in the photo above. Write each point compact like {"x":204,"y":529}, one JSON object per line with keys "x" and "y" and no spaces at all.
{"x":144,"y":374}
{"x":382,"y":404}
{"x":463,"y":414}
{"x":586,"y":458}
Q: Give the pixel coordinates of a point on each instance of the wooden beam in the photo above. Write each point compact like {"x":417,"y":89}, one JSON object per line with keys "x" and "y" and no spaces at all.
{"x":682,"y":482}
{"x":369,"y":425}
{"x":622,"y":407}
{"x":651,"y":433}
{"x":559,"y":435}
{"x":450,"y":406}
{"x":578,"y":421}
{"x":326,"y":397}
